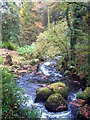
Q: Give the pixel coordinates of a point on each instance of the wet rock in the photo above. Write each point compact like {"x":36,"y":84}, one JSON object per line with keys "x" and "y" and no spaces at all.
{"x":84,"y":112}
{"x":43,"y":93}
{"x":76,"y":104}
{"x":39,"y":79}
{"x":56,"y":103}
{"x":72,"y":85}
{"x":21,"y":72}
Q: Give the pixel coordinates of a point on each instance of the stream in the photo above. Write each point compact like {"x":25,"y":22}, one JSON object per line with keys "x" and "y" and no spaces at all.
{"x":47,"y":74}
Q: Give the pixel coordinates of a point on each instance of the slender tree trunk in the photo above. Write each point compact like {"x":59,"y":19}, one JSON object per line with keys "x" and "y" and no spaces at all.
{"x":48,"y":16}
{"x":72,"y":45}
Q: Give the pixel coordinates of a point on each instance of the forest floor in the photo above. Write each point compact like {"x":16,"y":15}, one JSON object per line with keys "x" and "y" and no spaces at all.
{"x":15,"y":56}
{"x":20,"y":65}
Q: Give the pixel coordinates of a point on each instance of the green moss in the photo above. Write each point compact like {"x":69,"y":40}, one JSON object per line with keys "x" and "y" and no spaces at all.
{"x":43,"y":93}
{"x":59,"y":88}
{"x":58,"y":84}
{"x":85,"y":94}
{"x":56,"y":102}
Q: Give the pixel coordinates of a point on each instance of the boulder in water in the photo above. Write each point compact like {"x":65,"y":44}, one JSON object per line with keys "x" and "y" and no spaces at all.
{"x":59,"y":87}
{"x":56,"y":103}
{"x":43,"y":93}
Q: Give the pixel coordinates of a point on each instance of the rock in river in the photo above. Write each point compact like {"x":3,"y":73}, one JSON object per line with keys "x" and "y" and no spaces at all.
{"x":76,"y":104}
{"x":56,"y":103}
{"x":43,"y":93}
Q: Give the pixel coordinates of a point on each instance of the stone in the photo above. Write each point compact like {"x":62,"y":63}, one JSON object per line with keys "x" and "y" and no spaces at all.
{"x":21,"y":72}
{"x":76,"y":104}
{"x":43,"y":93}
{"x":56,"y":103}
{"x":59,"y":87}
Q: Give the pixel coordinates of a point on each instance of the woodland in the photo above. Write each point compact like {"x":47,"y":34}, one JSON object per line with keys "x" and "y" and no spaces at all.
{"x":44,"y":60}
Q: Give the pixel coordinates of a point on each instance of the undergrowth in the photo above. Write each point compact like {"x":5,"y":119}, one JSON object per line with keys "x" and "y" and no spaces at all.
{"x":12,"y":99}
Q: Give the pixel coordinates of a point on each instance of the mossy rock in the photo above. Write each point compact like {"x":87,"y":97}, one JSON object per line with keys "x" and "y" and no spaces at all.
{"x":85,"y":95}
{"x":43,"y":93}
{"x":61,"y":88}
{"x":56,"y":103}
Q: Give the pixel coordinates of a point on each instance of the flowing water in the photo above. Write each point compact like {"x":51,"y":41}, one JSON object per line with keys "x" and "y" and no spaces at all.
{"x":47,"y":73}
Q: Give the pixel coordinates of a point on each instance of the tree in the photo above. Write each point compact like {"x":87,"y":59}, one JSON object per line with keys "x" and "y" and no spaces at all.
{"x":30,"y":21}
{"x":75,"y":23}
{"x":11,"y":28}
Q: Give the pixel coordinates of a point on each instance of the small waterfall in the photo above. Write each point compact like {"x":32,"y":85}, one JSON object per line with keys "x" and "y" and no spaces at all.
{"x":49,"y":69}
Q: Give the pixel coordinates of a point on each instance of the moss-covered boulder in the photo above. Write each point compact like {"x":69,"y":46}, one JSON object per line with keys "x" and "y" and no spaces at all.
{"x":85,"y":95}
{"x":43,"y":93}
{"x":59,"y":87}
{"x":56,"y":103}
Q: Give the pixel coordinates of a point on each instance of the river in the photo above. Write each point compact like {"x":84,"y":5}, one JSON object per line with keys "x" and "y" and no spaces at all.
{"x":46,"y":74}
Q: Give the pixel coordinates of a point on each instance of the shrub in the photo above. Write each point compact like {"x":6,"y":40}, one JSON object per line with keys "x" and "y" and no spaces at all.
{"x":48,"y":44}
{"x":85,"y":94}
{"x":12,"y":99}
{"x":26,"y":50}
{"x":9,"y":46}
{"x":35,"y":113}
{"x":20,"y":50}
